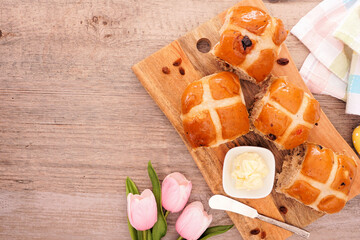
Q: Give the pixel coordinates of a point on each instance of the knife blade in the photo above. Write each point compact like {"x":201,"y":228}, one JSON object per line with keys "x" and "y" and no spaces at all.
{"x":220,"y":202}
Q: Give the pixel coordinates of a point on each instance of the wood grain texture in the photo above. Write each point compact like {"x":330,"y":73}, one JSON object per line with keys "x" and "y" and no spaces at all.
{"x":166,"y":90}
{"x":75,"y":121}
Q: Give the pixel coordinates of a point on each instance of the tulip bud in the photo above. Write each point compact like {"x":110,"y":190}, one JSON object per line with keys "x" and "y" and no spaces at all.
{"x":142,"y":210}
{"x":175,"y":192}
{"x":193,"y":221}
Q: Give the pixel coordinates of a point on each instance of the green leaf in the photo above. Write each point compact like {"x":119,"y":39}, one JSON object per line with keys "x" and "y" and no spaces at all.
{"x":213,"y":231}
{"x":160,"y":227}
{"x":131,"y":188}
{"x":149,"y":236}
{"x":133,"y":231}
{"x":140,"y":235}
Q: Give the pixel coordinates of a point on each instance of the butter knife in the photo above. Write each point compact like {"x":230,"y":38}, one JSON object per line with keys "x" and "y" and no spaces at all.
{"x":220,"y":202}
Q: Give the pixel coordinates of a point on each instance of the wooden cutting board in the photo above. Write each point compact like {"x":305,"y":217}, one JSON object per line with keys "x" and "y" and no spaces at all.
{"x":166,"y":90}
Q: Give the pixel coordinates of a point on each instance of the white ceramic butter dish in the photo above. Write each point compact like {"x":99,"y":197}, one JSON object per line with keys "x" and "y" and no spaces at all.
{"x":268,"y":180}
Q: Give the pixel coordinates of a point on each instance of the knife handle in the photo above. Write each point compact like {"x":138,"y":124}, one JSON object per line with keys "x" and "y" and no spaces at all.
{"x":296,"y":230}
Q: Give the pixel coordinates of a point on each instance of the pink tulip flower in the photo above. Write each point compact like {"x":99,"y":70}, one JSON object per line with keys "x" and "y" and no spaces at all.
{"x":175,"y":192}
{"x":193,"y":221}
{"x":142,"y":210}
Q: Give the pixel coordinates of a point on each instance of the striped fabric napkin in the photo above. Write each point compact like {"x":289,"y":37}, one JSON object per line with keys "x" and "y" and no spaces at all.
{"x":349,"y":33}
{"x":331,"y":31}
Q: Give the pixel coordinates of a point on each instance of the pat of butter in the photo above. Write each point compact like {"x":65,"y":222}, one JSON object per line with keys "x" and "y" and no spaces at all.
{"x":249,"y":170}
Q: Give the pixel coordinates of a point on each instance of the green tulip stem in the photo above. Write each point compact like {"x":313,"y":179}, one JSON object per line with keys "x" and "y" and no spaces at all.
{"x":144,"y":235}
{"x":179,"y":238}
{"x":166,"y":213}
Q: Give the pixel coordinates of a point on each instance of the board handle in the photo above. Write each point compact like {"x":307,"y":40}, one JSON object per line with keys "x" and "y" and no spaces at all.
{"x":291,"y":228}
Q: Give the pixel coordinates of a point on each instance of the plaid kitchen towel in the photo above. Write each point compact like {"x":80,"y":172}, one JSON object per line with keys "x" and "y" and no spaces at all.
{"x":353,"y":90}
{"x":320,"y":80}
{"x":349,"y":29}
{"x":326,"y":69}
{"x":349,"y":33}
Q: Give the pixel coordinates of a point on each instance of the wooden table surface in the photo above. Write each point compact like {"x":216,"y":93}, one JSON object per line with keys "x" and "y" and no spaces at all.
{"x":75,"y":121}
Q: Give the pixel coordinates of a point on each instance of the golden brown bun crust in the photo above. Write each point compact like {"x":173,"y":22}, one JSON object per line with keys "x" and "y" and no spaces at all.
{"x":214,"y":111}
{"x":200,"y":130}
{"x":303,"y":191}
{"x":191,"y":97}
{"x":331,"y":204}
{"x":318,"y":177}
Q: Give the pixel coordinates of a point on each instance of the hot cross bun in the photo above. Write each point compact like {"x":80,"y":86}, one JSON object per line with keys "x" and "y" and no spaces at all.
{"x":250,"y":42}
{"x":284,"y":113}
{"x":213,"y":110}
{"x":317,"y":177}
